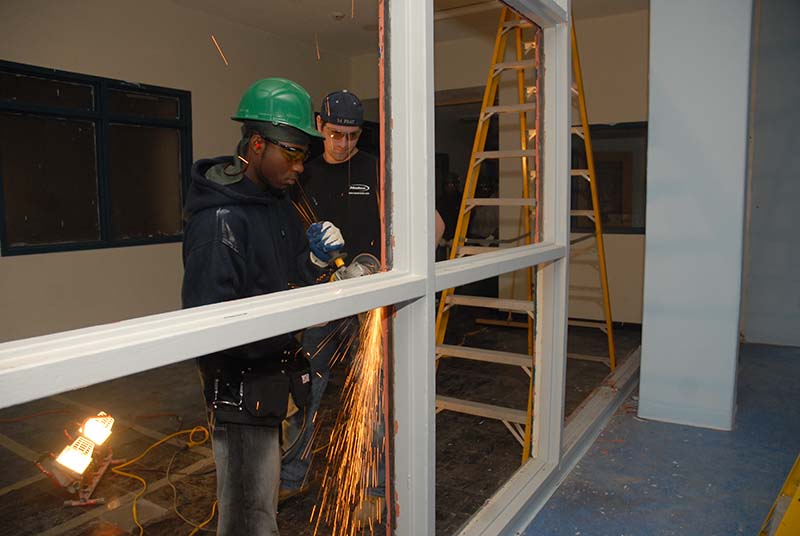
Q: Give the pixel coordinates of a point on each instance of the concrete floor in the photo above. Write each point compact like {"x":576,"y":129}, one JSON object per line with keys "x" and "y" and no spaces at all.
{"x":647,"y":478}
{"x":475,"y":456}
{"x":472,"y":454}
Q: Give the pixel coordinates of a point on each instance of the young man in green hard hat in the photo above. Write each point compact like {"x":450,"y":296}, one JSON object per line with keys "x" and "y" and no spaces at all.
{"x":243,"y":238}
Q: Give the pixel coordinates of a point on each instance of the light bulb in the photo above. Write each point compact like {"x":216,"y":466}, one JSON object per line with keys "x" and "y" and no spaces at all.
{"x":78,"y":456}
{"x":98,"y":428}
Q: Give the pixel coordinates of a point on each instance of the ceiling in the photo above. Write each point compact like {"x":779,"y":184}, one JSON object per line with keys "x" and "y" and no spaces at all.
{"x":349,"y":27}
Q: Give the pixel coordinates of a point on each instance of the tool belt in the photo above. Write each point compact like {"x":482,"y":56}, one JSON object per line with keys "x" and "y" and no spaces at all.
{"x":259,"y":395}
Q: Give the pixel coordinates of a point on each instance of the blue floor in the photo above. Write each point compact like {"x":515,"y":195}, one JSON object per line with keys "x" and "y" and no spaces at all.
{"x":647,"y":478}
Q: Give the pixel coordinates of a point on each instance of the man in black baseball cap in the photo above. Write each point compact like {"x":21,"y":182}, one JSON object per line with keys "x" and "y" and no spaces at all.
{"x":339,"y":121}
{"x":342,"y":108}
{"x":341,"y":186}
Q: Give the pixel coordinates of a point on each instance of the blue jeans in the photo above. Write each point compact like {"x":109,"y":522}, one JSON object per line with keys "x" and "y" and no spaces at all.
{"x":295,"y":465}
{"x":248,"y":475}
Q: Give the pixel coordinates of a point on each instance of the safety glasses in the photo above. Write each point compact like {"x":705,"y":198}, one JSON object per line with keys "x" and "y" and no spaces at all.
{"x":292,"y":154}
{"x":338,"y":134}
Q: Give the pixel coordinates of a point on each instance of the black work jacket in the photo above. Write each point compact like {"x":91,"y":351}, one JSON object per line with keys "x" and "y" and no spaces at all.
{"x":239,"y":242}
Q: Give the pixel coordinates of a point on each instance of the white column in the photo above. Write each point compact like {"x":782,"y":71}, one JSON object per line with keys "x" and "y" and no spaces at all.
{"x":699,"y":80}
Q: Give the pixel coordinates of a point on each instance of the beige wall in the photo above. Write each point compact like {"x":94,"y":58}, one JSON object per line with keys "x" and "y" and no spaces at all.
{"x":152,"y":42}
{"x":625,"y":265}
{"x":614,"y":58}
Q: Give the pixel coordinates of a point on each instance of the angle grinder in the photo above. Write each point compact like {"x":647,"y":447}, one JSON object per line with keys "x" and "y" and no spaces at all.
{"x":362,"y":264}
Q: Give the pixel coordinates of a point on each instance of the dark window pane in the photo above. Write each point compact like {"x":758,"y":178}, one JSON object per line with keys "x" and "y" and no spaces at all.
{"x":132,"y":103}
{"x":620,"y":156}
{"x":32,"y":90}
{"x":145,"y":169}
{"x":49,"y":176}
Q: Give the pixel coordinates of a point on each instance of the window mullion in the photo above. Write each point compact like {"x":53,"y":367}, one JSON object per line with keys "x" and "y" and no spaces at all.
{"x":103,"y":168}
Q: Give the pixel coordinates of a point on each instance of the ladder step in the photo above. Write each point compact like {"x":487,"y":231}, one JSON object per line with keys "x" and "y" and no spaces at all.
{"x":517,"y":24}
{"x":512,"y":153}
{"x":581,"y":239}
{"x":510,"y":108}
{"x":578,"y":131}
{"x":501,"y":202}
{"x":584,"y":298}
{"x":517,"y":306}
{"x":587,"y":357}
{"x":475,"y":250}
{"x":479,"y":409}
{"x":584,"y":213}
{"x":586,"y":288}
{"x":521,"y":64}
{"x":581,"y":173}
{"x":599,"y":324}
{"x":488,"y":356}
{"x":501,"y":323}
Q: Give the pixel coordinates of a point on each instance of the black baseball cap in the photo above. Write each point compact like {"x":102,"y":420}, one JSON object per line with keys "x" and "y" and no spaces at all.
{"x":342,"y":108}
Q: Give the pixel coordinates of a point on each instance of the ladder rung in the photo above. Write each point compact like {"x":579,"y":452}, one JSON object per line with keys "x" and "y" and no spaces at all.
{"x":475,"y":250}
{"x":517,"y":24}
{"x":501,"y":323}
{"x":599,"y":324}
{"x":512,"y":153}
{"x":585,"y":213}
{"x":479,"y":409}
{"x":481,"y":354}
{"x":510,"y":108}
{"x":578,"y":131}
{"x":581,"y":173}
{"x":584,"y":298}
{"x":501,"y":202}
{"x":517,"y":306}
{"x":587,"y":357}
{"x":581,"y":239}
{"x":586,"y":288}
{"x":521,"y":64}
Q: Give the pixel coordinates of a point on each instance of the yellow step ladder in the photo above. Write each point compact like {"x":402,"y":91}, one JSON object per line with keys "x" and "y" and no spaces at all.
{"x":784,"y":516}
{"x":524,"y":66}
{"x":589,"y":249}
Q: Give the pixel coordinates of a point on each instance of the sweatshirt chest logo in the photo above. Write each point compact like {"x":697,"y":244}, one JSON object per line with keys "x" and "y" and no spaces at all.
{"x":359,"y":189}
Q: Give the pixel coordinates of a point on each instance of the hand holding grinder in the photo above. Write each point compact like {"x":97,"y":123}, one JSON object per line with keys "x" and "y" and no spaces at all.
{"x":326,"y":242}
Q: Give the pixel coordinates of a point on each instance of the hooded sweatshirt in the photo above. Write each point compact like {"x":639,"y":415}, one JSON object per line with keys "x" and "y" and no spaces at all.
{"x":240,"y":241}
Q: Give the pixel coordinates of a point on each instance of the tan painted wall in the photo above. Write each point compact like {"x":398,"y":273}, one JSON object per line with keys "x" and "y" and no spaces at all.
{"x":614,"y":58}
{"x":153,"y":42}
{"x":614,"y":55}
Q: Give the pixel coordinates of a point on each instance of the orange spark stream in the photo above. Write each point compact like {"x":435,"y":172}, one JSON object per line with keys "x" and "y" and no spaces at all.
{"x":356,"y":444}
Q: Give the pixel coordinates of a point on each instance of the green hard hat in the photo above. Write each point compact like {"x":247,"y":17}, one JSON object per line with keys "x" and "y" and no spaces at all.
{"x":279,"y":101}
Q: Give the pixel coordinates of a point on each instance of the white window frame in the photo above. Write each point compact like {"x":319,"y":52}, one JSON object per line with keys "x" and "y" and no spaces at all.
{"x":43,"y":366}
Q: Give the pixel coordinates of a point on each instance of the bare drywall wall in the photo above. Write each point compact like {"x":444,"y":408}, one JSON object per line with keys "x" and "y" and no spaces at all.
{"x":151,"y":42}
{"x":695,"y":209}
{"x":771,"y":305}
